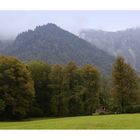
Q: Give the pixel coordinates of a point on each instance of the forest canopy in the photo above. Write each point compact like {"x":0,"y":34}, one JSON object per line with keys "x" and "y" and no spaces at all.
{"x":38,"y":89}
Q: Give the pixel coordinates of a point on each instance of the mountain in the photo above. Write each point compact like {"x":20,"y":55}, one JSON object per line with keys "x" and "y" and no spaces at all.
{"x":55,"y":45}
{"x":125,"y":43}
{"x":4,"y":44}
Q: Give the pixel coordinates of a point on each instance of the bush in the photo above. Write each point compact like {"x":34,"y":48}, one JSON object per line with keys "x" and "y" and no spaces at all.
{"x":102,"y":113}
{"x":133,"y":109}
{"x":2,"y":105}
{"x":36,"y":112}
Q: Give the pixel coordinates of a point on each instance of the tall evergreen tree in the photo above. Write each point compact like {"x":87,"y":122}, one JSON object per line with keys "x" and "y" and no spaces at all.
{"x":125,"y":84}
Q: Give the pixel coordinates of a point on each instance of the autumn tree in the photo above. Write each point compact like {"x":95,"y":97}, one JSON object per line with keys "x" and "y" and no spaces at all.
{"x":16,"y":89}
{"x":125,"y":84}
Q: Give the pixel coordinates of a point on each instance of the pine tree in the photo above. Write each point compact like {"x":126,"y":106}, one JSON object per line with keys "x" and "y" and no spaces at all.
{"x":125,"y":84}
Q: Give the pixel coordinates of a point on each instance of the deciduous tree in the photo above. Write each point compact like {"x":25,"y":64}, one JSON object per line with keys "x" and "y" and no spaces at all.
{"x":16,"y":88}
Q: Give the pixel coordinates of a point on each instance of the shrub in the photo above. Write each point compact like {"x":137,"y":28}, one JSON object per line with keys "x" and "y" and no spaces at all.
{"x":133,"y":109}
{"x":36,"y":112}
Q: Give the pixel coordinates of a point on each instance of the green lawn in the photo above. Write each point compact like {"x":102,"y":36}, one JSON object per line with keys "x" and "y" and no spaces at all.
{"x":125,"y":121}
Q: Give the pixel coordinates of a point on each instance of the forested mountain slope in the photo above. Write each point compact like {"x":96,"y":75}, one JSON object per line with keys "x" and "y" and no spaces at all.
{"x":55,"y":45}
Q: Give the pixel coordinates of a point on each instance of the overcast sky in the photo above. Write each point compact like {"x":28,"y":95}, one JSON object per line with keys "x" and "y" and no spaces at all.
{"x":14,"y":22}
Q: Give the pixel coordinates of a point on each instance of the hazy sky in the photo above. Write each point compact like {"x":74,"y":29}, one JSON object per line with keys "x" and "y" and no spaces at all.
{"x":14,"y":22}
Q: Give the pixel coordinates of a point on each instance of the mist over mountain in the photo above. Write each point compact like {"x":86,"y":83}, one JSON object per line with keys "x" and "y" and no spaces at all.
{"x":125,"y":43}
{"x":5,"y":43}
{"x":55,"y":45}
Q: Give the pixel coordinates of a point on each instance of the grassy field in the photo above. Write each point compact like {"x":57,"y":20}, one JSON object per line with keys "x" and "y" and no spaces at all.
{"x":125,"y":121}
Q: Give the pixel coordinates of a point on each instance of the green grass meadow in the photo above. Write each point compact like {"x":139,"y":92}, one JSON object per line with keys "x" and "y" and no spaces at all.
{"x":123,"y":121}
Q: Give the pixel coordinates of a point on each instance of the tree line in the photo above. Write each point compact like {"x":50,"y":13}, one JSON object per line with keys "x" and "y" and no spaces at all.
{"x":38,"y":89}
